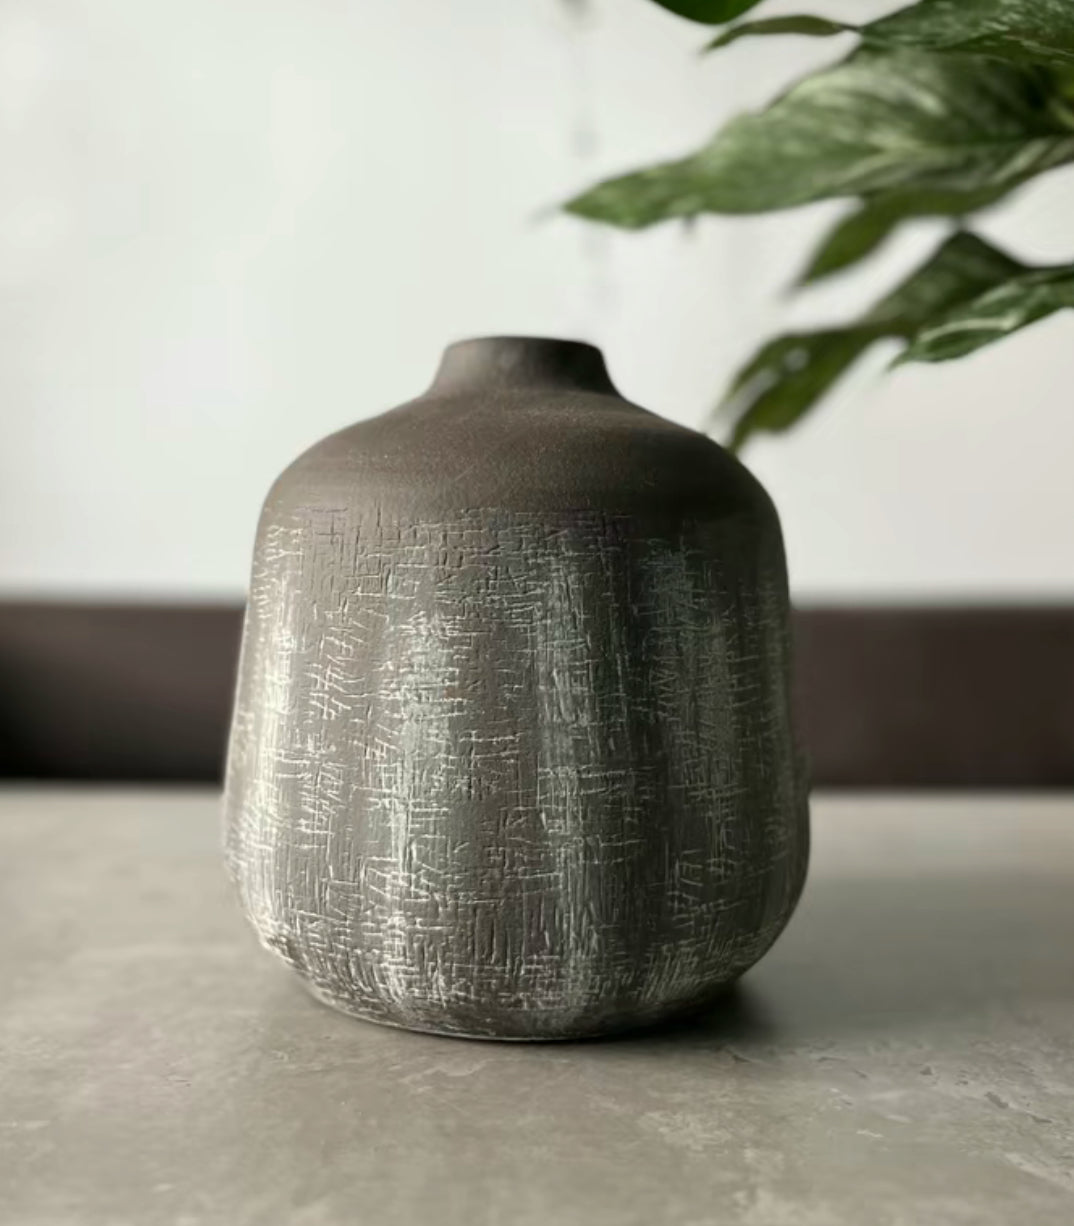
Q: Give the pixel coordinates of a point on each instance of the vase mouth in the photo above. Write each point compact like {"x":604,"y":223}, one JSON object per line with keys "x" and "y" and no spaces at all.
{"x":523,"y":361}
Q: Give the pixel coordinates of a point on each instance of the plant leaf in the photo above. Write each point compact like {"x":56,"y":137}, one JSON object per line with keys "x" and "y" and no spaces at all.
{"x":1040,"y":31}
{"x":789,"y":374}
{"x":862,"y":231}
{"x":814,"y":27}
{"x":854,"y":238}
{"x":993,"y":315}
{"x":898,"y":121}
{"x":709,"y":12}
{"x":1032,"y":31}
{"x":962,"y":267}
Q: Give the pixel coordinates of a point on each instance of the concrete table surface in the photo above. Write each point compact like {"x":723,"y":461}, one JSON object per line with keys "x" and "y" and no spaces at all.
{"x":904,"y":1055}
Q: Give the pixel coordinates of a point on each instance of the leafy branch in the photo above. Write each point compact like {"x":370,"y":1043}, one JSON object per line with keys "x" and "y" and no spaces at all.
{"x":943,"y":109}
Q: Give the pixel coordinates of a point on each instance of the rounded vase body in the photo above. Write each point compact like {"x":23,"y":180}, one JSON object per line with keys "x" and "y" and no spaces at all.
{"x":512,"y":753}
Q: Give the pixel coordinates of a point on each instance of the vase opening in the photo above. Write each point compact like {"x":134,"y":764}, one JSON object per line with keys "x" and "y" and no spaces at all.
{"x":523,"y":361}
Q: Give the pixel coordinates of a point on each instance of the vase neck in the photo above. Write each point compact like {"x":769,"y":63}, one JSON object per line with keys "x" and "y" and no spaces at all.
{"x":522,"y":362}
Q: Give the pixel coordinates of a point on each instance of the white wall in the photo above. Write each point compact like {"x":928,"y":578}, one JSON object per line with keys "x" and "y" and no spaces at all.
{"x":228,"y":227}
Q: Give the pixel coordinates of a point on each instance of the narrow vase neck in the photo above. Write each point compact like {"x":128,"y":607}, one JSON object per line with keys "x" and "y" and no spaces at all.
{"x":522,"y":362}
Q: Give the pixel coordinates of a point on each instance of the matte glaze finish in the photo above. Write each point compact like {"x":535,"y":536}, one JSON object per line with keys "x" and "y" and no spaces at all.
{"x":512,"y":753}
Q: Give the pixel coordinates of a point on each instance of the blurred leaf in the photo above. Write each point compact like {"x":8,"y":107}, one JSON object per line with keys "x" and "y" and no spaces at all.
{"x":864,"y":230}
{"x":899,"y":121}
{"x":709,"y":12}
{"x":993,"y":315}
{"x":1040,"y":31}
{"x":789,"y":374}
{"x":815,"y":27}
{"x":961,"y":268}
{"x":1032,"y":31}
{"x":853,"y":238}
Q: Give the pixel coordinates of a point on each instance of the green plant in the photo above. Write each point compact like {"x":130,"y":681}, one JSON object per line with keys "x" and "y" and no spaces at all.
{"x":942,"y":109}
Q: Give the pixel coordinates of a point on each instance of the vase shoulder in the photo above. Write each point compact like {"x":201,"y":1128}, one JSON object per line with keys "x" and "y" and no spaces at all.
{"x":549,"y":432}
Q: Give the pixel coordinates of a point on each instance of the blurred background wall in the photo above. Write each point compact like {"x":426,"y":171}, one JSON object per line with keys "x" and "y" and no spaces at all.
{"x":228,"y":227}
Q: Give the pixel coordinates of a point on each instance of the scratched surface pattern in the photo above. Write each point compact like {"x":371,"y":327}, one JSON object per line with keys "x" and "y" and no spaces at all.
{"x":515,"y":774}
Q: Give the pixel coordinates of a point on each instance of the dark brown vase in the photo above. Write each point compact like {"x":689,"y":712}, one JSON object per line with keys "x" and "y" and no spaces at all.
{"x":512,"y":753}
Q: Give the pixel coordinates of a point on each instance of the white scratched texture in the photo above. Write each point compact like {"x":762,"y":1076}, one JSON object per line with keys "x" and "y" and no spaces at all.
{"x":515,"y":773}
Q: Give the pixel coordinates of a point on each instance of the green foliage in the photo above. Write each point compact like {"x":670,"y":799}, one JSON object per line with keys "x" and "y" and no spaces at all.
{"x":709,"y":12}
{"x":1035,"y":31}
{"x":943,"y":109}
{"x":991,"y":316}
{"x":815,"y":27}
{"x":853,"y":238}
{"x":1030,"y":31}
{"x":791,"y":373}
{"x":905,"y":121}
{"x":877,"y":217}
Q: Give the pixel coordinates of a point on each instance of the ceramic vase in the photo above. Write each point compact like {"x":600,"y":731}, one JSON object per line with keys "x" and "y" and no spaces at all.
{"x":512,"y":754}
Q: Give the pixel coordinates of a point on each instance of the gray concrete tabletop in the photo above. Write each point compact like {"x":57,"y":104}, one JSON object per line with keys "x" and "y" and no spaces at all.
{"x":905,"y":1055}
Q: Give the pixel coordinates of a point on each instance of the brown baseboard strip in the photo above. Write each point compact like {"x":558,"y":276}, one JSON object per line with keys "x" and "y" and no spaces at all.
{"x":887,"y":697}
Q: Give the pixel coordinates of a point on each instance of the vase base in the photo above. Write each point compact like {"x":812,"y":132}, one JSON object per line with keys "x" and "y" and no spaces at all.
{"x":660,"y":1018}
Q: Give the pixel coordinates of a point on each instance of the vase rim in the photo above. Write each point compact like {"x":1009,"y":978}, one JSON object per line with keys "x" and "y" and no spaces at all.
{"x":523,"y":361}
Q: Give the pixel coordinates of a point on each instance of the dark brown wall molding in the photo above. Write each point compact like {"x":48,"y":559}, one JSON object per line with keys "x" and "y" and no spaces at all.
{"x":951,"y":697}
{"x":115,"y":692}
{"x":956,"y":697}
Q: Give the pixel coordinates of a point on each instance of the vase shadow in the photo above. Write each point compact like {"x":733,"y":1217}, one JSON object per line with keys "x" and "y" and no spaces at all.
{"x":863,"y":959}
{"x":873,"y":956}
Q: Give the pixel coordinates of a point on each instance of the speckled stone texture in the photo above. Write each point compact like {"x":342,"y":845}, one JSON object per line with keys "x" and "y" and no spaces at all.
{"x":902,"y":1057}
{"x":512,"y":753}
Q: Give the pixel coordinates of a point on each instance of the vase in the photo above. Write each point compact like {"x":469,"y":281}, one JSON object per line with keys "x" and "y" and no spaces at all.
{"x":512,"y":753}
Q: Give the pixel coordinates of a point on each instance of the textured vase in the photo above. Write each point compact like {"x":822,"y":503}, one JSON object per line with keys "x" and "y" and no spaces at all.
{"x":512,"y":753}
